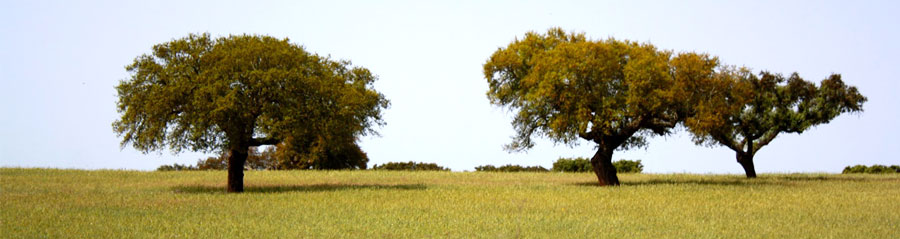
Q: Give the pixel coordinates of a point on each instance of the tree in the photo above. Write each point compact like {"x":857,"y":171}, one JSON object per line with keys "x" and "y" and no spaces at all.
{"x":232,"y":93}
{"x":565,"y":87}
{"x":343,"y":153}
{"x":745,"y":113}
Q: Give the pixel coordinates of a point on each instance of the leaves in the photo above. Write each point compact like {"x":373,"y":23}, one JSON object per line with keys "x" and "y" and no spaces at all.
{"x":206,"y":94}
{"x":745,"y":112}
{"x":567,"y":87}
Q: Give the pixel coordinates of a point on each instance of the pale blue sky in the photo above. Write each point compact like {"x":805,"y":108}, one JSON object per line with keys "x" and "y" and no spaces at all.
{"x":60,"y":60}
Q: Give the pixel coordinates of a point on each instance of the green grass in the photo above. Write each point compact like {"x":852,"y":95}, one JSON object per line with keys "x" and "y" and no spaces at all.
{"x":52,"y":203}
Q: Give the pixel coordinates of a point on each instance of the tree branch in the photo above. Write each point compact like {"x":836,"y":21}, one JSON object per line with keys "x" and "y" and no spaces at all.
{"x":255,"y":142}
{"x":766,"y":139}
{"x":728,"y":142}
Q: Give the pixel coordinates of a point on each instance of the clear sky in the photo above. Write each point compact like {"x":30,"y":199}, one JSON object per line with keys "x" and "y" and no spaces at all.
{"x":59,"y":62}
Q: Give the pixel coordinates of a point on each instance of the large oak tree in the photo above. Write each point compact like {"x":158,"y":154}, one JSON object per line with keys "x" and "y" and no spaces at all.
{"x":745,"y":112}
{"x":231,"y":93}
{"x":566,"y":87}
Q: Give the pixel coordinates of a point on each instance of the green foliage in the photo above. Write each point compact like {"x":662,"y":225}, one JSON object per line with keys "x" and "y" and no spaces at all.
{"x":629,"y":166}
{"x":331,"y":155}
{"x":745,"y":112}
{"x":176,"y":167}
{"x":573,"y":165}
{"x":234,"y":92}
{"x":579,"y":165}
{"x":614,"y":93}
{"x":510,"y":168}
{"x":409,"y":166}
{"x":874,"y":169}
{"x":859,"y":168}
{"x":566,"y":87}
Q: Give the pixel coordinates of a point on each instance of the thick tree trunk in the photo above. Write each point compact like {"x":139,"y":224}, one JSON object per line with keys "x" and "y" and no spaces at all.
{"x":603,"y":167}
{"x":746,"y":161}
{"x":236,"y":161}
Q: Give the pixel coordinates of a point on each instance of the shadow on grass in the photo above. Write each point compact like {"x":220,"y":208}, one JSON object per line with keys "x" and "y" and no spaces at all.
{"x":836,"y":177}
{"x":296,"y":188}
{"x":681,"y":182}
{"x":742,"y":181}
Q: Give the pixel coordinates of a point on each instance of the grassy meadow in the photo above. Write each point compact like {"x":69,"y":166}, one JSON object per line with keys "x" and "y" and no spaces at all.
{"x":52,"y":203}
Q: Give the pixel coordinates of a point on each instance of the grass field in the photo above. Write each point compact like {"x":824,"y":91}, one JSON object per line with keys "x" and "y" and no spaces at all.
{"x":49,"y":203}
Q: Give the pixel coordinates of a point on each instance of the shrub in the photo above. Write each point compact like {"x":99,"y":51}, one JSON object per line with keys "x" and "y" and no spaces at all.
{"x":318,"y":155}
{"x":584,"y":165}
{"x":573,"y":165}
{"x":176,"y":167}
{"x":855,"y":169}
{"x":629,"y":166}
{"x":874,"y":169}
{"x":510,"y":168}
{"x":409,"y":166}
{"x":880,"y":169}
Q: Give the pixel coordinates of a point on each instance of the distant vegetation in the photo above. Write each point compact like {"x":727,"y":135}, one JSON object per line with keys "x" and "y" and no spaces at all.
{"x":510,"y":168}
{"x":572,"y":165}
{"x":176,"y":167}
{"x":584,"y":165}
{"x":877,"y":168}
{"x":629,"y":166}
{"x":409,"y":166}
{"x":271,"y":158}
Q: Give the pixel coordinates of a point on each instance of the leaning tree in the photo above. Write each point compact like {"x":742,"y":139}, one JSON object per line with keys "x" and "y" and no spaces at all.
{"x":610,"y":92}
{"x":231,"y":93}
{"x":745,"y":112}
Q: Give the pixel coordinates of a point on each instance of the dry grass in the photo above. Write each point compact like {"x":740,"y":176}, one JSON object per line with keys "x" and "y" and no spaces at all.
{"x":338,"y":204}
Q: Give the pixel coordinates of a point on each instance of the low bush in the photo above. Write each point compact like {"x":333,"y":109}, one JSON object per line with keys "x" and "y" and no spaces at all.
{"x":409,"y":166}
{"x":510,"y":168}
{"x":572,"y":165}
{"x":874,"y":169}
{"x":176,"y":167}
{"x":629,"y":166}
{"x":584,"y":165}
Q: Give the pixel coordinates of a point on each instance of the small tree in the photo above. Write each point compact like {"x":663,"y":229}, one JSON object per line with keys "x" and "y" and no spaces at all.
{"x":232,"y":93}
{"x":609,"y":92}
{"x":745,"y":113}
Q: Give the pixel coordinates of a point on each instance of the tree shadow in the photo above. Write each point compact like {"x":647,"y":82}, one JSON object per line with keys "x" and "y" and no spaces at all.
{"x":713,"y":182}
{"x":207,"y":189}
{"x":842,"y":177}
{"x":679,"y":182}
{"x":784,"y":180}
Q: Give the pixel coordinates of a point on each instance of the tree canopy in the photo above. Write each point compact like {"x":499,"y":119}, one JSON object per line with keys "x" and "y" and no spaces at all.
{"x":566,"y":87}
{"x":745,"y":112}
{"x":230,"y":93}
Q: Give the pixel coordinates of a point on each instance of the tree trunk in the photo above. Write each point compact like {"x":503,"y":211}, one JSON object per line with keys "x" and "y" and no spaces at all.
{"x":603,"y":167}
{"x":746,"y":161}
{"x":236,"y":161}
